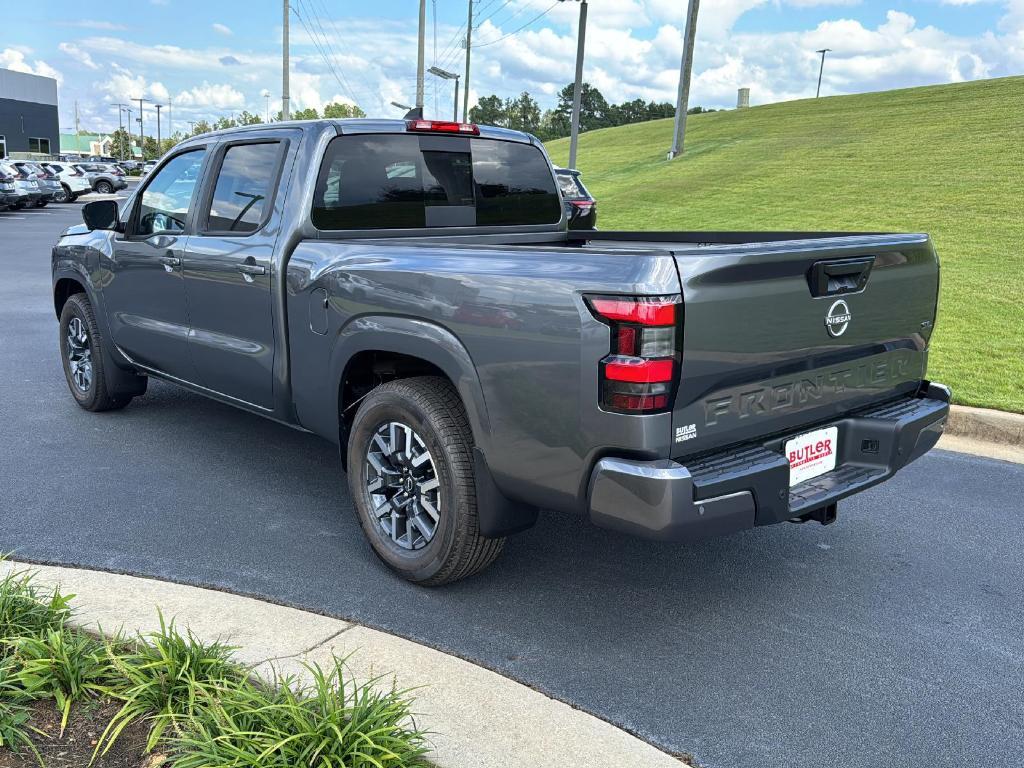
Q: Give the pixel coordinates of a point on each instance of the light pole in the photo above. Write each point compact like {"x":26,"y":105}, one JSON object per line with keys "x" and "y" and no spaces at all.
{"x":420,"y":46}
{"x":577,"y":87}
{"x":120,"y":127}
{"x":266,"y":95}
{"x":685,"y":68}
{"x":130,"y":113}
{"x":158,"y":148}
{"x":191,"y":127}
{"x":445,"y":75}
{"x":142,"y":132}
{"x":821,"y":70}
{"x":286,"y":112}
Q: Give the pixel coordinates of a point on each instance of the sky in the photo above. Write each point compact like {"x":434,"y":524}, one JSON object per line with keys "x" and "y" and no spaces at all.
{"x":210,"y":59}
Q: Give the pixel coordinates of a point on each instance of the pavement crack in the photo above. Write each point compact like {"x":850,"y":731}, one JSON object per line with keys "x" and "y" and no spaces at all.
{"x":306,"y":651}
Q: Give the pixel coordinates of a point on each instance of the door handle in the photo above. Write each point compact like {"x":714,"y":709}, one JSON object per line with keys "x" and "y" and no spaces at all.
{"x":170,"y":262}
{"x":249,"y":269}
{"x":830,"y":278}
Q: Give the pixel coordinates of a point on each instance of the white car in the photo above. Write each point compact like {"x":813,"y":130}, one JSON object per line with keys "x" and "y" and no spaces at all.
{"x":147,"y":166}
{"x":72,"y":181}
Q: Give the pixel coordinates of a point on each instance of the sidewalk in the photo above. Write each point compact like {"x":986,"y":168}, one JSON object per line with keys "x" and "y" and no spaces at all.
{"x":478,"y":718}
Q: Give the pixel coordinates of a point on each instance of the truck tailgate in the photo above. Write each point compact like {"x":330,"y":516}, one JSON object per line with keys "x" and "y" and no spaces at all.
{"x":778,"y":336}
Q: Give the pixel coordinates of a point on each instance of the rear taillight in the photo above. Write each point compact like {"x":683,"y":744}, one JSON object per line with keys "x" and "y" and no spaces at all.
{"x":442,"y":126}
{"x":642,"y":367}
{"x":583,"y":205}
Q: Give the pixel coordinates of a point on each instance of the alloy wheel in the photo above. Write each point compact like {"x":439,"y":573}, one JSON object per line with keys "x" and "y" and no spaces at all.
{"x":79,"y":354}
{"x":403,"y":486}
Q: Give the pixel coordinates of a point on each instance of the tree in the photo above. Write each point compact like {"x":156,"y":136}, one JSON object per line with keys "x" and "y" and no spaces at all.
{"x":201,"y":126}
{"x":248,"y":118}
{"x":152,"y":151}
{"x":224,"y":122}
{"x":593,"y":108}
{"x":121,"y":145}
{"x":337,"y":111}
{"x":489,"y":110}
{"x":522,"y":113}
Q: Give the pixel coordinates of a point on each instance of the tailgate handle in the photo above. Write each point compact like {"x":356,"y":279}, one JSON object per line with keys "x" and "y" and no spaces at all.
{"x":830,"y":278}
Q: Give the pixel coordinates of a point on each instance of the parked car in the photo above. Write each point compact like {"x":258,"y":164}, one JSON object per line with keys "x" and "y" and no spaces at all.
{"x":103,"y":178}
{"x":580,"y":205}
{"x":32,"y":191}
{"x":73,"y":181}
{"x":9,"y":195}
{"x":147,"y":166}
{"x":673,"y":385}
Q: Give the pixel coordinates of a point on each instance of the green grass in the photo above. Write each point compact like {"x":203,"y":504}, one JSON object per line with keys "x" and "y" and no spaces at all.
{"x":947,"y":160}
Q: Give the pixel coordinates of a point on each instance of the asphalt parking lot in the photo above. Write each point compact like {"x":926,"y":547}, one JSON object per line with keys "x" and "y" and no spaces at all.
{"x":891,"y":638}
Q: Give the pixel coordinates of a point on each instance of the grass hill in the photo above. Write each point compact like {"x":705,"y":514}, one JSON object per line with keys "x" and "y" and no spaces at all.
{"x":947,"y":160}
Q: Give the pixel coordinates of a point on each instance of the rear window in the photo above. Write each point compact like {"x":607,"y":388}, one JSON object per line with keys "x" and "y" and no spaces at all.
{"x":387,"y":181}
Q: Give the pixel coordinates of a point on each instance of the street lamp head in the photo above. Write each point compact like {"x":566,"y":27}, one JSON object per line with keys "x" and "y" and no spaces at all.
{"x":442,"y":73}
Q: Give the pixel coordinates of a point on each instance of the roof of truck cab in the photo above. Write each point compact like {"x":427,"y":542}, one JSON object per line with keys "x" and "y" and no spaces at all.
{"x":353,"y":125}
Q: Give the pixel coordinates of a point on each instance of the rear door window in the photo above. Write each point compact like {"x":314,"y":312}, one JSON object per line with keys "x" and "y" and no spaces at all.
{"x":241,"y":197}
{"x":396,"y":181}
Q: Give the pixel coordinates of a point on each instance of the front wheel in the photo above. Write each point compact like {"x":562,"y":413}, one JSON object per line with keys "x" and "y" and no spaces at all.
{"x":82,"y":352}
{"x":410,"y":472}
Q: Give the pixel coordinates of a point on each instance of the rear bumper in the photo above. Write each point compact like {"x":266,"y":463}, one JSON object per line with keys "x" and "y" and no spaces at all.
{"x":748,"y":485}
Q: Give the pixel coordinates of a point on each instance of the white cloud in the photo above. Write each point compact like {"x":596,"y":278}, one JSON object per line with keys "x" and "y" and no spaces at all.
{"x":15,"y":59}
{"x":94,"y":24}
{"x":218,"y":95}
{"x":80,"y":56}
{"x":222,"y":29}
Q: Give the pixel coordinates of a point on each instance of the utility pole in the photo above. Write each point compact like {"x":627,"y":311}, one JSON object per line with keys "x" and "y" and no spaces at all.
{"x":142,"y":131}
{"x":420,"y":47}
{"x":433,"y":15}
{"x":685,"y":67}
{"x":821,"y":70}
{"x":266,"y":95}
{"x":465,"y":81}
{"x":159,"y":150}
{"x":286,"y":112}
{"x":577,"y":88}
{"x":191,"y":127}
{"x":76,"y":127}
{"x":170,"y":125}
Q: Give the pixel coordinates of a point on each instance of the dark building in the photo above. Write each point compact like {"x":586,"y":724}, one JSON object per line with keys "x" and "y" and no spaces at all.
{"x":28,"y":115}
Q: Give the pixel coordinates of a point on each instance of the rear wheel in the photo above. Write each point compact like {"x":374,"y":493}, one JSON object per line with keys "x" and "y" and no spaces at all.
{"x":104,"y":187}
{"x":84,"y":356}
{"x":63,"y":195}
{"x":42,"y":203}
{"x":410,"y":472}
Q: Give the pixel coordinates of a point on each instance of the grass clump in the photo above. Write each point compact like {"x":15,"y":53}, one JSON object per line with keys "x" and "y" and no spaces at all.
{"x":202,"y":708}
{"x":161,"y":677}
{"x":327,"y":723}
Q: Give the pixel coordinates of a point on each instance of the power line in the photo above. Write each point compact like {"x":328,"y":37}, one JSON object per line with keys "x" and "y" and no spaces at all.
{"x":337,"y":35}
{"x":535,"y":19}
{"x":322,"y":44}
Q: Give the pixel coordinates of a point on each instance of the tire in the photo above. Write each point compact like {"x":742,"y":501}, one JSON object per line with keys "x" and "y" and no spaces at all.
{"x":42,"y":203}
{"x":431,"y":409}
{"x":84,"y":359}
{"x":64,"y":195}
{"x":17,"y":206}
{"x":104,"y":188}
{"x":74,"y":197}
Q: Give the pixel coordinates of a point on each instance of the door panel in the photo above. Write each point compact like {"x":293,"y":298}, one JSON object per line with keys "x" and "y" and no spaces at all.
{"x":228,"y":272}
{"x":144,"y":293}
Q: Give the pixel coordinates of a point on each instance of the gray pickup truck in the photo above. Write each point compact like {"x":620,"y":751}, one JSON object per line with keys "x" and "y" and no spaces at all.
{"x":409,"y":291}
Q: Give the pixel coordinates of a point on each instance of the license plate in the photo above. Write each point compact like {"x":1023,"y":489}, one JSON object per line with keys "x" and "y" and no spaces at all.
{"x":811,"y":454}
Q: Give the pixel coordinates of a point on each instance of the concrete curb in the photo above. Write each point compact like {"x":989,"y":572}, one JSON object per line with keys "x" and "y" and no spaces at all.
{"x":986,"y":425}
{"x":478,"y":718}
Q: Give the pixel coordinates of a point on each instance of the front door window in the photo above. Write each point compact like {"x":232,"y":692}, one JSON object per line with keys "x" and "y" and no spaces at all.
{"x":166,"y":200}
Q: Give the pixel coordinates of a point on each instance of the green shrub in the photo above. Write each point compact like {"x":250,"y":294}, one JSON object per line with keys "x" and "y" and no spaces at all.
{"x":160,"y":677}
{"x":327,"y":724}
{"x":25,"y":610}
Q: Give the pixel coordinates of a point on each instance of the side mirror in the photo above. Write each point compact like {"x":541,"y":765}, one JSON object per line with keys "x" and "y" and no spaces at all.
{"x":101,"y":214}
